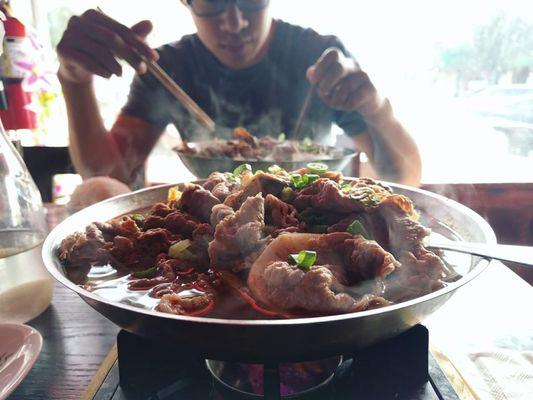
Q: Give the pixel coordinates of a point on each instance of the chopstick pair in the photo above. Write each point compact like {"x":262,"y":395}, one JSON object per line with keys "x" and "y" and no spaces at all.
{"x":159,"y":73}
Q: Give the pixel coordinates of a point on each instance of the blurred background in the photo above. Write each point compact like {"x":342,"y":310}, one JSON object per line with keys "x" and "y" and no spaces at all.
{"x":458,"y":73}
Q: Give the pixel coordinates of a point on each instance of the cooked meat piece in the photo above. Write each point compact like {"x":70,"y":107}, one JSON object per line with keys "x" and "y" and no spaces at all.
{"x":404,"y":232}
{"x":422,"y":261}
{"x":106,"y":229}
{"x":125,"y":226}
{"x":80,"y":249}
{"x":219,"y":212}
{"x":181,"y":223}
{"x":284,"y":151}
{"x":160,"y":210}
{"x":343,"y":261}
{"x":153,"y":242}
{"x":238,"y":235}
{"x":316,"y":291}
{"x":324,"y":194}
{"x":220,"y":185}
{"x":154,"y":221}
{"x":261,"y":182}
{"x":366,"y":260}
{"x":278,"y":213}
{"x":175,"y":304}
{"x":197,"y":201}
{"x":267,"y":142}
{"x":243,"y":136}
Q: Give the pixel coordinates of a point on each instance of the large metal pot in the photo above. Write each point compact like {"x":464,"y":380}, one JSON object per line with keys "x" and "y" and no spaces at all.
{"x":279,"y":340}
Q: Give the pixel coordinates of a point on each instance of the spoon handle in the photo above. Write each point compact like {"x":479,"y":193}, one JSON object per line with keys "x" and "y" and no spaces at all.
{"x":503,"y":252}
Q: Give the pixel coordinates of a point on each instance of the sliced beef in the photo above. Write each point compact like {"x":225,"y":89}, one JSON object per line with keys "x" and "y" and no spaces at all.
{"x":181,"y":223}
{"x":279,"y":214}
{"x":221,"y":185}
{"x":238,"y":236}
{"x":260,"y":182}
{"x":197,"y":201}
{"x":315,"y":291}
{"x":219,"y":212}
{"x":324,"y":194}
{"x":404,"y":232}
{"x":81,"y":248}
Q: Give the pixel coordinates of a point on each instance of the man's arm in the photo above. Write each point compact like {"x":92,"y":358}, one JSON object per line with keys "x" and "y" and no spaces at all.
{"x":342,"y":85}
{"x":391,"y":150}
{"x":90,"y":46}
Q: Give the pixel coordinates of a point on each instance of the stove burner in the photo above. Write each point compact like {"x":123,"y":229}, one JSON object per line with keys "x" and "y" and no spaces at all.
{"x":285,"y":380}
{"x":400,"y":368}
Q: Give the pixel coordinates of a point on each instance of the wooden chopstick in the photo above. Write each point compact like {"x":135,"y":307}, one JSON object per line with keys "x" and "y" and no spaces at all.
{"x":178,"y":92}
{"x":303,"y":113}
{"x":175,"y":89}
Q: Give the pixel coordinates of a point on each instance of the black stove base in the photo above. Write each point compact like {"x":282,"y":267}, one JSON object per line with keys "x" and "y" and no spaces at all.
{"x":399,"y":368}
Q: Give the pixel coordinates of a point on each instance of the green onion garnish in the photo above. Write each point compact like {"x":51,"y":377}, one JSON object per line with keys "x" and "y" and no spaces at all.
{"x":357,"y":228}
{"x":138,"y":218}
{"x":281,"y":137}
{"x":303,"y":260}
{"x":178,"y":249}
{"x":274,"y":169}
{"x":147,"y":273}
{"x":287,"y":194}
{"x":241,"y":168}
{"x":317,"y":168}
{"x":300,"y":181}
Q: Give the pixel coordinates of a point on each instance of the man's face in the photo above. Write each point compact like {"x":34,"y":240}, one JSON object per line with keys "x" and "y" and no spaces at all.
{"x":238,"y":39}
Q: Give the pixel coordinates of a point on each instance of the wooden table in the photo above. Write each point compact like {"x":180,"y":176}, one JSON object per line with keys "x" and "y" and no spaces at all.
{"x":490,"y":314}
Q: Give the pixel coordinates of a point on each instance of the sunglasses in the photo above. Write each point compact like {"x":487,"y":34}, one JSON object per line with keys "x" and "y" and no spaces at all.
{"x":213,"y":8}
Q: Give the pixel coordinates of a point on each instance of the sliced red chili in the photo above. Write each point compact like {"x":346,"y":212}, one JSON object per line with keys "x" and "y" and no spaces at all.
{"x":204,"y":310}
{"x":255,"y":306}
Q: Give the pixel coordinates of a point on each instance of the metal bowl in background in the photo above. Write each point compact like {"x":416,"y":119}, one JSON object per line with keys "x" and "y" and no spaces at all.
{"x":284,"y":340}
{"x":201,"y":166}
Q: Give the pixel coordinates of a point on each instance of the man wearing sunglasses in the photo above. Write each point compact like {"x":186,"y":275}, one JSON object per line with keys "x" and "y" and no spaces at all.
{"x":244,"y":68}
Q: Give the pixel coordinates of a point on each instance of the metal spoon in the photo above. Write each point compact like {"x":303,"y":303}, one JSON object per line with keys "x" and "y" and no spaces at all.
{"x":503,"y":252}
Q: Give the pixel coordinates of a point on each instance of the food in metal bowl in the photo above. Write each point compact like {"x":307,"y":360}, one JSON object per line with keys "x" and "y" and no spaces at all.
{"x":246,"y":147}
{"x":261,"y":245}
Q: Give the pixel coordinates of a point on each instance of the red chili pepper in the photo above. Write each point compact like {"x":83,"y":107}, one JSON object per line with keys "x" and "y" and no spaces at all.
{"x":204,"y":310}
{"x":187,"y":272}
{"x":254,"y":305}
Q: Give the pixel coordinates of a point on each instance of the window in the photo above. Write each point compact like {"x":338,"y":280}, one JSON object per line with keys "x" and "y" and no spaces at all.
{"x":458,"y":73}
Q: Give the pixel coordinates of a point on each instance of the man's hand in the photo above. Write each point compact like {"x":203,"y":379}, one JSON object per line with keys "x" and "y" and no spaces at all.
{"x":93,"y":42}
{"x":342,"y":85}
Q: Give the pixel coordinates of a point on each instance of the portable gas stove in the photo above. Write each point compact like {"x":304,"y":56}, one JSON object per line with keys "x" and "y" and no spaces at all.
{"x":398,"y":368}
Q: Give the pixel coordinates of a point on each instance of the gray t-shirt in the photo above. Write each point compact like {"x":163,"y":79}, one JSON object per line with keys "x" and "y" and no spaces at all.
{"x":265,"y":98}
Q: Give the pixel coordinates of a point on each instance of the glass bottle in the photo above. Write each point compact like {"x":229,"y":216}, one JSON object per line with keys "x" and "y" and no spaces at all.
{"x":25,"y":285}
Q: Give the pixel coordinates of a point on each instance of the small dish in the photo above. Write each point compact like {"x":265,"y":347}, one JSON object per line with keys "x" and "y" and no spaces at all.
{"x":20,"y":346}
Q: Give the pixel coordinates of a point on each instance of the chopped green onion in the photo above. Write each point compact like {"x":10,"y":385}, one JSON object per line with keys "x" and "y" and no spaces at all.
{"x":241,"y":168}
{"x":138,"y":218}
{"x":274,"y":169}
{"x":186,"y":255}
{"x":317,"y":168}
{"x":303,"y":260}
{"x":357,"y":228}
{"x":300,"y":181}
{"x":311,"y":178}
{"x":287,"y":194}
{"x":297,"y":181}
{"x":281,"y":137}
{"x":176,"y":250}
{"x":347,"y":187}
{"x":147,"y":273}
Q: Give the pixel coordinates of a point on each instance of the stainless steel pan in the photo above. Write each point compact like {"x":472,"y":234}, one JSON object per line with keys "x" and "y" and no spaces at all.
{"x":279,"y":340}
{"x":201,"y":167}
